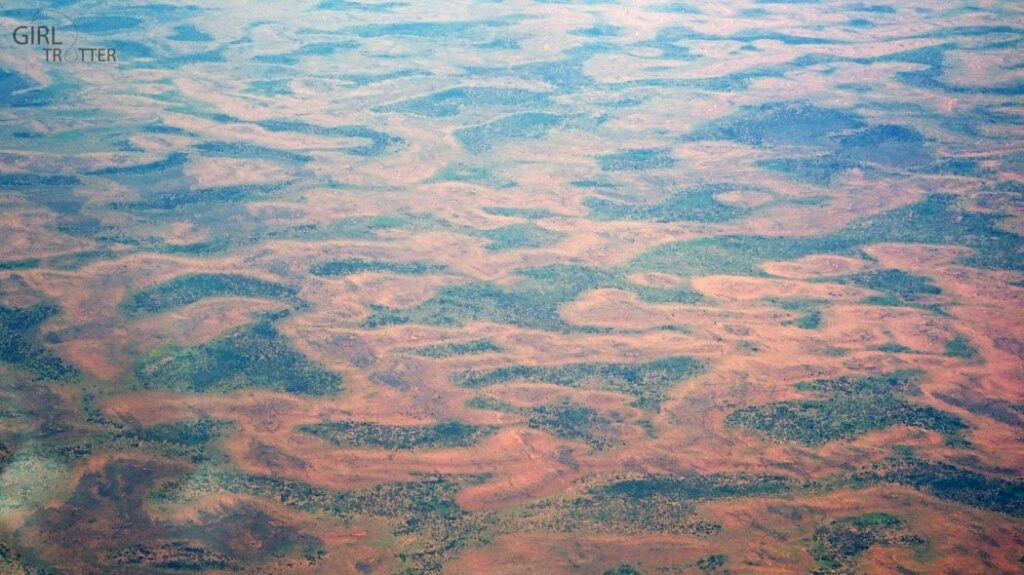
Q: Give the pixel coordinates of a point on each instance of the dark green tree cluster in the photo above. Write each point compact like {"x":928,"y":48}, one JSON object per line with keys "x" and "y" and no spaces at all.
{"x":256,"y":355}
{"x":395,"y":437}
{"x":850,"y":408}
{"x":340,"y":268}
{"x":647,"y":382}
{"x":836,"y":545}
{"x":187,"y":289}
{"x":566,"y":419}
{"x":19,"y":342}
{"x":443,"y":350}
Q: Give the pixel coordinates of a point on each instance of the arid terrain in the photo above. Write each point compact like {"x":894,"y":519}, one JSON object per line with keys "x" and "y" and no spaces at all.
{"x":539,"y":287}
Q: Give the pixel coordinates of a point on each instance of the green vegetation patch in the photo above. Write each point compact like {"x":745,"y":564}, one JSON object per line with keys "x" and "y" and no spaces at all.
{"x":571,"y":421}
{"x":256,"y":355}
{"x":806,"y":305}
{"x":246,"y":150}
{"x":843,"y":135}
{"x":780,"y":124}
{"x":647,"y":382}
{"x":492,"y":404}
{"x":452,"y":101}
{"x":637,"y":159}
{"x":5,"y":456}
{"x":533,"y":302}
{"x":599,"y":513}
{"x":481,"y":302}
{"x":19,"y":345}
{"x":711,"y":563}
{"x":528,"y":213}
{"x":377,"y":143}
{"x":519,"y":236}
{"x":810,"y":320}
{"x":356,"y":228}
{"x":892,"y":347}
{"x":443,"y":350}
{"x":434,"y":436}
{"x":652,"y":504}
{"x":340,"y":268}
{"x":568,"y":420}
{"x":816,"y":170}
{"x":20,"y":264}
{"x":960,"y":346}
{"x":851,"y":408}
{"x":79,"y":260}
{"x":188,"y":289}
{"x":698,"y":205}
{"x":952,"y":483}
{"x":177,"y":200}
{"x":183,"y":438}
{"x":368,"y":227}
{"x":837,"y":544}
{"x":897,"y":287}
{"x":938,"y":219}
{"x":700,"y":487}
{"x":526,"y":125}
